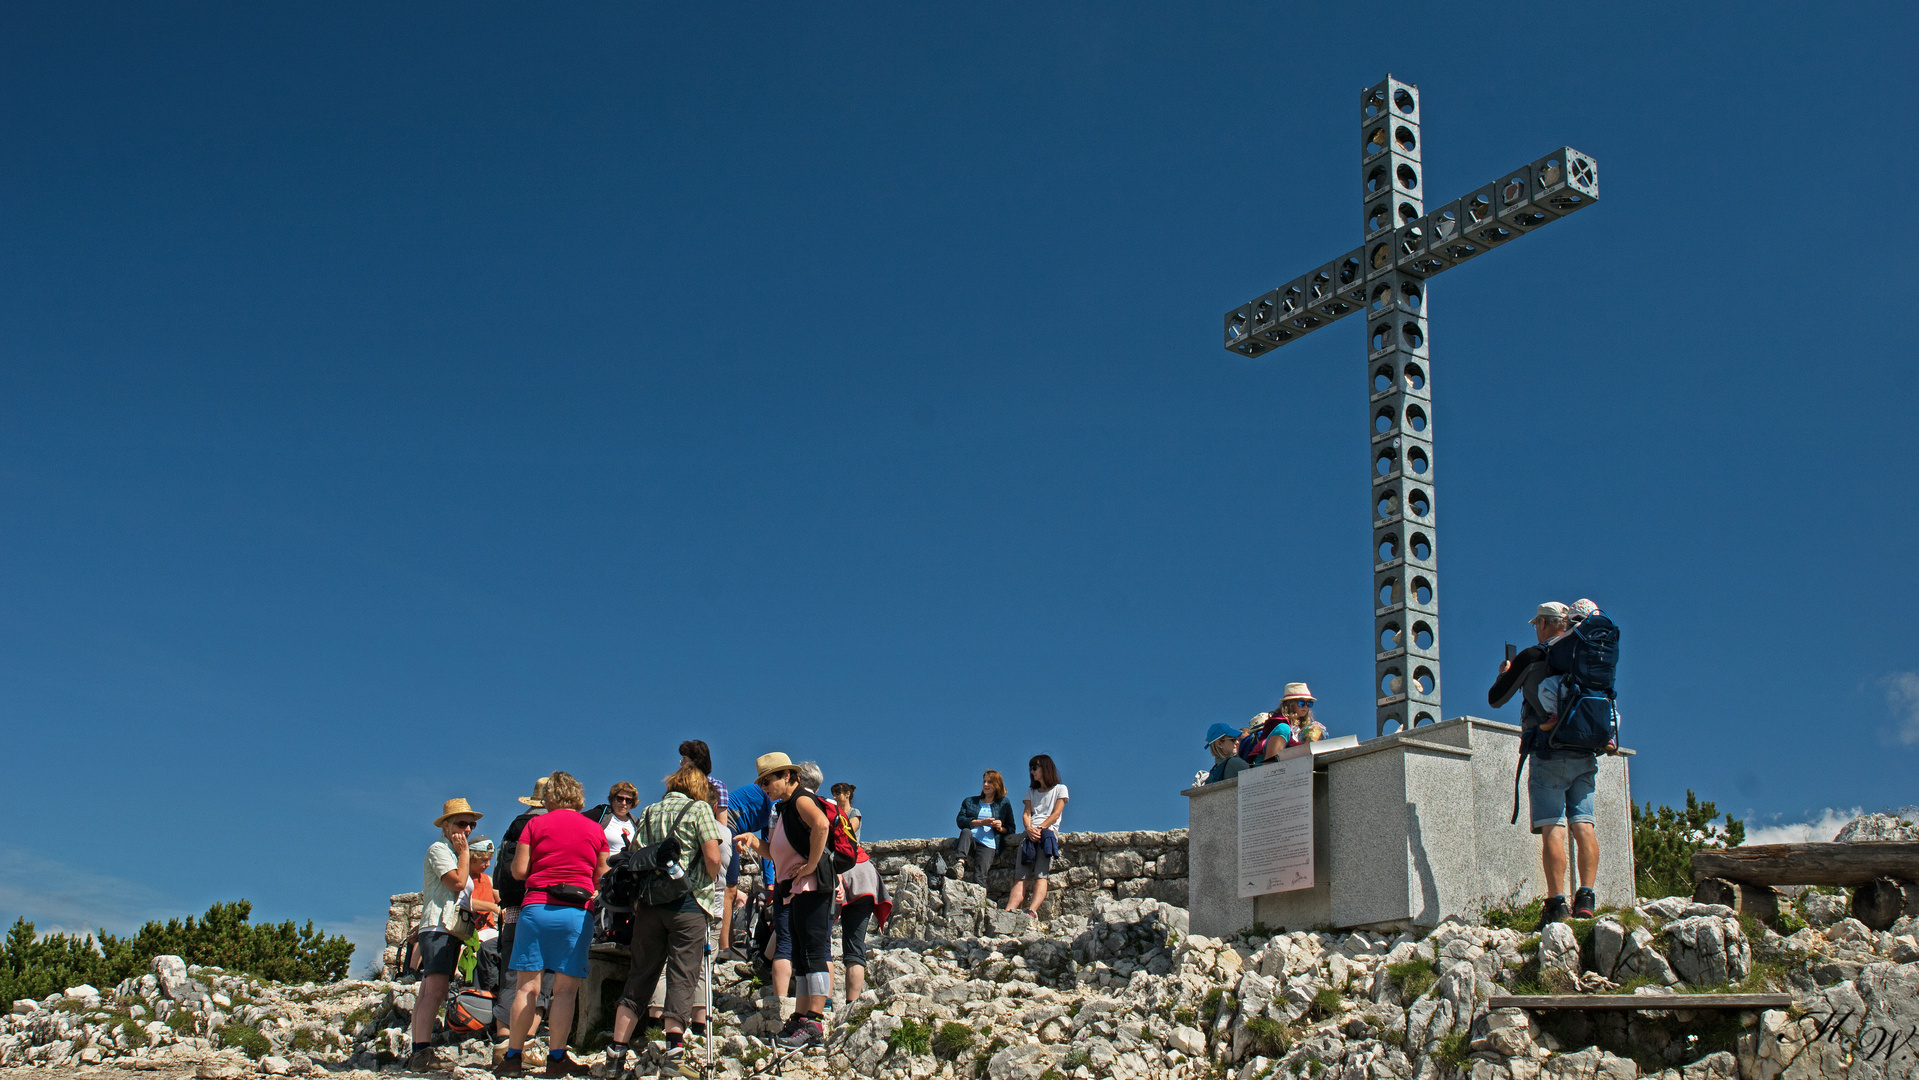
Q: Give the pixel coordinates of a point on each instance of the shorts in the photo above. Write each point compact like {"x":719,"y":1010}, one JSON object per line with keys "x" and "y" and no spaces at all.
{"x":1561,"y":788}
{"x":1041,"y":863}
{"x":439,"y":952}
{"x":551,"y":938}
{"x":733,"y":867}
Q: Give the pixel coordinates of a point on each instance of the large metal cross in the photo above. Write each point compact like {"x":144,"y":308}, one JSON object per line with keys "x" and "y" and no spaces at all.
{"x":1385,"y":279}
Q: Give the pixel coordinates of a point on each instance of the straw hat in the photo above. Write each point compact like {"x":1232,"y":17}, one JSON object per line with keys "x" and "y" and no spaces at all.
{"x":770,"y":763}
{"x":1296,"y":690}
{"x":539,"y":794}
{"x":454,"y":808}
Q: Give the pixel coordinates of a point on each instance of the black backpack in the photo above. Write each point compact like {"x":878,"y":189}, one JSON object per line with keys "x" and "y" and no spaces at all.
{"x":1589,"y":652}
{"x":1588,"y":658}
{"x":643,"y":875}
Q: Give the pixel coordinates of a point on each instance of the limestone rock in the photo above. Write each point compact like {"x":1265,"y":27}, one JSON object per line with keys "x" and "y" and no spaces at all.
{"x":1559,"y":950}
{"x":1708,"y":950}
{"x":171,"y":971}
{"x":275,"y":1066}
{"x":1823,"y":909}
{"x":1878,"y":827}
{"x":1188,"y":1041}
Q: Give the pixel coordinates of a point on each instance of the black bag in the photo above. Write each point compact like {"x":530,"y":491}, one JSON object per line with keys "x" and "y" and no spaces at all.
{"x":575,"y":896}
{"x":489,"y":969}
{"x":645,"y":874}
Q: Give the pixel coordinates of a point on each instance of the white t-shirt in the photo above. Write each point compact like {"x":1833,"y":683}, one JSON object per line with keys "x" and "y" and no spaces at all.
{"x":618,"y":833}
{"x":439,"y":904}
{"x":1043,"y":802}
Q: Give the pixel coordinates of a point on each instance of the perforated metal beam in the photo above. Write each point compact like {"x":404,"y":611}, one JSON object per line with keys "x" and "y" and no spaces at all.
{"x":1386,"y":279}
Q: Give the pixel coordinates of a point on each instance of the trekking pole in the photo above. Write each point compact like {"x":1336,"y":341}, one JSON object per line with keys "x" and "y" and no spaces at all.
{"x":712,"y":1021}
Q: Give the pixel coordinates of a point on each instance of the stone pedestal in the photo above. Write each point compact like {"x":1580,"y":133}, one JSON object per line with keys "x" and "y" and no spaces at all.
{"x":606,"y":968}
{"x":1408,"y":829}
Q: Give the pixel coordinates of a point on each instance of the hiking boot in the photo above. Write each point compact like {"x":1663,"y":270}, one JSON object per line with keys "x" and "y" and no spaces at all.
{"x":509,"y":1066}
{"x":1552,"y":911}
{"x":805,"y":1032}
{"x":1584,"y":901}
{"x":614,"y":1067}
{"x":564,"y":1065}
{"x":428,"y":1059}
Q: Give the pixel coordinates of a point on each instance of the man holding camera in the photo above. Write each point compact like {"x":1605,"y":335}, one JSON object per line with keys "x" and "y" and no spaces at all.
{"x":1559,"y":783}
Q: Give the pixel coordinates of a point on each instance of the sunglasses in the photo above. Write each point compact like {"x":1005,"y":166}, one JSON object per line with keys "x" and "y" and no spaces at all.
{"x":624,"y":799}
{"x":463,"y":824}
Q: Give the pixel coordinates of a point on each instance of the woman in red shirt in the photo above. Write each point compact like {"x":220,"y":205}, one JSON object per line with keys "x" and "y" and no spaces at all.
{"x":561,"y":856}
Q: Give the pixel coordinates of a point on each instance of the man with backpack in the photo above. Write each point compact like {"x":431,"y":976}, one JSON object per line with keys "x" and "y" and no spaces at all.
{"x":1568,"y":718}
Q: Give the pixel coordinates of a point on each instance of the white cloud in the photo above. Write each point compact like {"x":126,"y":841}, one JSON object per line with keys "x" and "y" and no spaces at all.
{"x":1817,"y":830}
{"x":1902,"y":693}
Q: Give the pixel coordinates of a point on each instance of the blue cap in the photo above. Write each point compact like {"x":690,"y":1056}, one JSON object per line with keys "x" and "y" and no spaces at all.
{"x":1218,"y":732}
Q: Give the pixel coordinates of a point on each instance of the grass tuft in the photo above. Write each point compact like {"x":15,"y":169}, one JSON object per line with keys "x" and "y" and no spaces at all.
{"x":913,"y":1036}
{"x":951,"y":1040}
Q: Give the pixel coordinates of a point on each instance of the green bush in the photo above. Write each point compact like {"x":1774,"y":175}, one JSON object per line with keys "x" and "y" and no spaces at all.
{"x":913,"y":1036}
{"x":1663,"y":842}
{"x":951,"y":1040}
{"x":245,"y":1039}
{"x":33,"y":966}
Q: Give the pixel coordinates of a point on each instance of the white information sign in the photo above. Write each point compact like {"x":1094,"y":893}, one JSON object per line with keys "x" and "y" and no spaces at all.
{"x":1276,"y":825}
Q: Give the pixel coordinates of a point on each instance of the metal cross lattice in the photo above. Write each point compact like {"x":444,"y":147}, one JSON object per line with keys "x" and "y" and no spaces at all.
{"x":1385,"y":279}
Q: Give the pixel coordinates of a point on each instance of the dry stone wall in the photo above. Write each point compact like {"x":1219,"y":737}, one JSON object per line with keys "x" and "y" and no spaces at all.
{"x":1115,"y":865}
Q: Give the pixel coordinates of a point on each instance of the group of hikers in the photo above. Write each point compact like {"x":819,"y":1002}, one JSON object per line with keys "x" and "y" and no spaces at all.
{"x":666,"y":880}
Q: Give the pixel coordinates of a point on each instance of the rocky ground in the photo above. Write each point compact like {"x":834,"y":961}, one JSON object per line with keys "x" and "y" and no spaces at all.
{"x":1126,"y":992}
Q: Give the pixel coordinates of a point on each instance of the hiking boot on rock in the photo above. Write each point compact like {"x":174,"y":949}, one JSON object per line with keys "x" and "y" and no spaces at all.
{"x":564,"y":1066}
{"x":804,"y":1031}
{"x":1584,"y":901}
{"x":1552,"y":911}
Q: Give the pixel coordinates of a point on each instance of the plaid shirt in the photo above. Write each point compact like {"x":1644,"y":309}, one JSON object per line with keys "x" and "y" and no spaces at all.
{"x":695,"y":830}
{"x":719,"y":788}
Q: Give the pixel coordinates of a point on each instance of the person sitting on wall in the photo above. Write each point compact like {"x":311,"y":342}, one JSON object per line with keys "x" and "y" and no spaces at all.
{"x":1291,"y":723}
{"x":1223,"y":741}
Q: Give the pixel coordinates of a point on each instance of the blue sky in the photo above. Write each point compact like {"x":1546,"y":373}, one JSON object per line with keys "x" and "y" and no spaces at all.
{"x":402,"y":403}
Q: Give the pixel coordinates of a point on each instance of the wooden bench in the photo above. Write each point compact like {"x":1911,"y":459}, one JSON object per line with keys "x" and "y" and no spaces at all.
{"x":1883,"y":876}
{"x":1640,"y":1002}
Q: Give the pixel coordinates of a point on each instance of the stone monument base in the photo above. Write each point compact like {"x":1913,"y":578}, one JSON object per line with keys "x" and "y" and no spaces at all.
{"x":1408,"y":829}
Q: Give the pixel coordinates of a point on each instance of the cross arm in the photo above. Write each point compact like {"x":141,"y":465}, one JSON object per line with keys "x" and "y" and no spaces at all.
{"x":1520,"y":201}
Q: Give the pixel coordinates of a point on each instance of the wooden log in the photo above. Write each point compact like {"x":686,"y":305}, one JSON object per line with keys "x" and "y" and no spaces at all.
{"x":1810,"y":864}
{"x":1640,"y":1002}
{"x":1879,"y":904}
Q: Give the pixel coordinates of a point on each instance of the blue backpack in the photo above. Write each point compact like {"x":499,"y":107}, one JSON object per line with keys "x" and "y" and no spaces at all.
{"x":1587,"y":657}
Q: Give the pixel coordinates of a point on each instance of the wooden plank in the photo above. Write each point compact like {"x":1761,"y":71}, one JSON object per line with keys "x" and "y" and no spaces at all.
{"x":1810,"y":864}
{"x":1640,"y":1002}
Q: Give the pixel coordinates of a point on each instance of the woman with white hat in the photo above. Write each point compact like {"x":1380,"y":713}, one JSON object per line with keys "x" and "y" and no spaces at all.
{"x":443,"y":927}
{"x":1293,"y":721}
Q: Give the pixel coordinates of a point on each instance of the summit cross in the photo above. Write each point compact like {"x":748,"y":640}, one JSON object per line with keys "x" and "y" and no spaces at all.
{"x":1385,"y":279}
